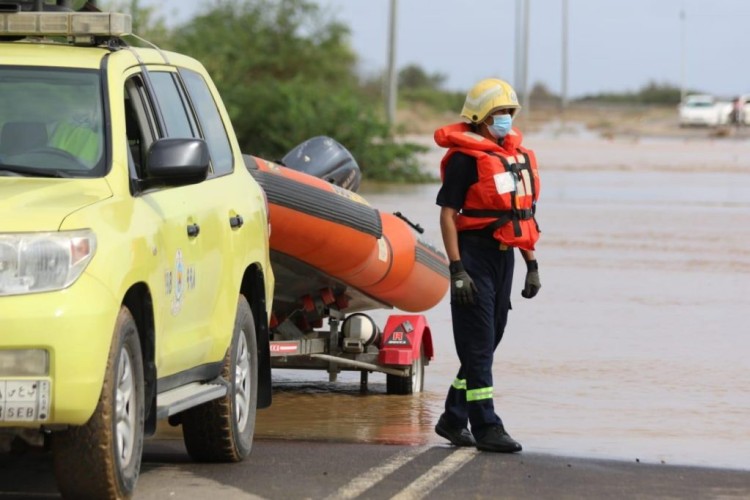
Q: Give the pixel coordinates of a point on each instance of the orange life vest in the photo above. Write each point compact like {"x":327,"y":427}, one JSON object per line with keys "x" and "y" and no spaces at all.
{"x":504,"y":197}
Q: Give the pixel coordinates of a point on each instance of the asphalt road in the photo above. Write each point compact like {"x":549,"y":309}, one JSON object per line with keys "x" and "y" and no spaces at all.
{"x":280,"y":469}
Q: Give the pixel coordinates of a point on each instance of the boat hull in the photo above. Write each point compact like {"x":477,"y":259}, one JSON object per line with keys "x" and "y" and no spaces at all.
{"x":336,"y":234}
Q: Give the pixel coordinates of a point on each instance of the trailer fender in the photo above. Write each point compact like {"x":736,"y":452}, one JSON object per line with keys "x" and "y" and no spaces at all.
{"x":403,"y":337}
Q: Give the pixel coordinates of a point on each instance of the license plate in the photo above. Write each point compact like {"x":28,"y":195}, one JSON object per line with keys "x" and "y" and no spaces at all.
{"x":24,"y":400}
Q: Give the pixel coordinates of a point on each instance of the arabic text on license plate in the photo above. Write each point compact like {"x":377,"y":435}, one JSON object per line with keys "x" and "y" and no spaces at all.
{"x":24,"y":400}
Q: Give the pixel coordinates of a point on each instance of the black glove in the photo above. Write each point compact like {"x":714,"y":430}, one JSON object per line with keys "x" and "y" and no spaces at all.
{"x":532,"y":285}
{"x":463,"y":288}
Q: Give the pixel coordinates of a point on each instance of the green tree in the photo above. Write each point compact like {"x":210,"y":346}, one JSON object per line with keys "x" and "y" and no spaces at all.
{"x":145,"y":22}
{"x":652,"y":93}
{"x":414,"y":77}
{"x":416,"y":86}
{"x":288,"y":74}
{"x":659,"y":93}
{"x":540,"y":93}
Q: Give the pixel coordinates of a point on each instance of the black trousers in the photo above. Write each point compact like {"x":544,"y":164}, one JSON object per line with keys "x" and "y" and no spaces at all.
{"x":477,"y":331}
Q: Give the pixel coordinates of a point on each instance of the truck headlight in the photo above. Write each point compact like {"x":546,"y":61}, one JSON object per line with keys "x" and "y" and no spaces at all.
{"x":41,"y":262}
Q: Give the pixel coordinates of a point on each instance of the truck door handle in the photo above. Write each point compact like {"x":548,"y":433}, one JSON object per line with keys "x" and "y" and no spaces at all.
{"x":236,"y":221}
{"x":193,"y":230}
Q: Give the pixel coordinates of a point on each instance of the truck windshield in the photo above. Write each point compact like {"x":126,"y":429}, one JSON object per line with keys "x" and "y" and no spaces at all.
{"x":51,"y":122}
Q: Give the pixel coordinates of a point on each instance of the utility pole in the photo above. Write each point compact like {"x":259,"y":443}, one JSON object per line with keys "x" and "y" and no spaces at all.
{"x":392,"y":74}
{"x":521,"y":67}
{"x":564,"y":75}
{"x":525,"y":88}
{"x":683,"y":89}
{"x":518,"y":59}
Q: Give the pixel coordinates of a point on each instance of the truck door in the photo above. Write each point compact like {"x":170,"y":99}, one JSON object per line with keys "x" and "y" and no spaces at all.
{"x":183,"y":220}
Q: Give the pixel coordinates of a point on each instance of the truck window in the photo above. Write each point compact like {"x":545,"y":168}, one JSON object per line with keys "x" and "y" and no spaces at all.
{"x":210,"y":120}
{"x":52,"y":122}
{"x":176,"y":117}
{"x":139,"y":125}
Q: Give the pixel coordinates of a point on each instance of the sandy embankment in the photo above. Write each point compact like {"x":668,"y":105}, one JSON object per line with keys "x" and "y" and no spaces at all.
{"x":574,"y":148}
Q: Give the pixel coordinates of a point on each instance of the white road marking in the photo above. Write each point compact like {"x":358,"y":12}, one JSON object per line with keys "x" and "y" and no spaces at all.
{"x":185,"y":484}
{"x":365,"y":481}
{"x":424,"y":484}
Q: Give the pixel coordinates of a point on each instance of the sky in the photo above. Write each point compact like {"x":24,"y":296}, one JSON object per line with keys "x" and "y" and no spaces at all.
{"x":613,"y":45}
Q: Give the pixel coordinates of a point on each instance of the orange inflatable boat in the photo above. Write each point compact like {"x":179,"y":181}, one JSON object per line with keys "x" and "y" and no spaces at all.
{"x":330,"y":248}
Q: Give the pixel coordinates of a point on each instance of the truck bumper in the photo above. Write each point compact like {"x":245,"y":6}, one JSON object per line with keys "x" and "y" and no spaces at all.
{"x":74,"y":326}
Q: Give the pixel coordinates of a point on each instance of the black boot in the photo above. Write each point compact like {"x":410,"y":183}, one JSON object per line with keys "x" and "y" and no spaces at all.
{"x":458,"y":436}
{"x":496,"y":439}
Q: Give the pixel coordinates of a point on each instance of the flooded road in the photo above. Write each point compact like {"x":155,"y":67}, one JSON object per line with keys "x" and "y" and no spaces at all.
{"x":638,"y":345}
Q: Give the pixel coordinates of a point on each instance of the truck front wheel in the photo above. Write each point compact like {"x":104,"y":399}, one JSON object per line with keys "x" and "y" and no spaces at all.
{"x":222,"y":430}
{"x":102,"y":458}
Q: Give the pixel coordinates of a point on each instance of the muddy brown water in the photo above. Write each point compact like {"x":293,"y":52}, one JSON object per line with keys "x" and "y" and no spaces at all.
{"x":636,"y":348}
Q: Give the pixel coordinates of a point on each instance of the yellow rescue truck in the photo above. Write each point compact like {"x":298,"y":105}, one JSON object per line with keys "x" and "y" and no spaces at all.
{"x":135,"y":282}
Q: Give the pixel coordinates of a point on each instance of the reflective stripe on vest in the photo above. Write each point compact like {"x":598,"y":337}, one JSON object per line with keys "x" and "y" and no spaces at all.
{"x":479,"y":394}
{"x":504,"y":183}
{"x":460,"y":384}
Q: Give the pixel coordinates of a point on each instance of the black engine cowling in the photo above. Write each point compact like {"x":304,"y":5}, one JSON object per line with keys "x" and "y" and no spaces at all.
{"x":326,"y":159}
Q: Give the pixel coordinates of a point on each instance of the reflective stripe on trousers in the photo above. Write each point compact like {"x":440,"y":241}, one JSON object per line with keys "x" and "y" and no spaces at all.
{"x":474,"y":394}
{"x":479,"y":394}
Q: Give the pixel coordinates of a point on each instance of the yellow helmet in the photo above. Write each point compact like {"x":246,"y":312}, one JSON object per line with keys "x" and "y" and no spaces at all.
{"x":486,"y":96}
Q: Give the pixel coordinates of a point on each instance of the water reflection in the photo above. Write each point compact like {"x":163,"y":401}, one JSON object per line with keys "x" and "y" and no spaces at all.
{"x":341,"y":412}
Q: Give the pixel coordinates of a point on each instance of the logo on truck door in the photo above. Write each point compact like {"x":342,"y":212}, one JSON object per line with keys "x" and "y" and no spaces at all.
{"x":179,"y":280}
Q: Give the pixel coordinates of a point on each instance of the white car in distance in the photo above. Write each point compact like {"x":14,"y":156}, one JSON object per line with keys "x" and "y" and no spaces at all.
{"x":703,"y":110}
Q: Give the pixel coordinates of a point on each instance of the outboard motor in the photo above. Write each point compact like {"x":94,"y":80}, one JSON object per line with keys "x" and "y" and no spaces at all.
{"x":326,"y":159}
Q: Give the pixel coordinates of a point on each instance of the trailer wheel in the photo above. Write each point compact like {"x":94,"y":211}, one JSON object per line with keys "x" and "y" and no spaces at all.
{"x":102,"y":458}
{"x":411,"y":384}
{"x":222,"y":430}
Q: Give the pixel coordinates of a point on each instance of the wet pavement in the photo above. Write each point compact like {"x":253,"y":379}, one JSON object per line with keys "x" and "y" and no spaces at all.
{"x":292,"y":469}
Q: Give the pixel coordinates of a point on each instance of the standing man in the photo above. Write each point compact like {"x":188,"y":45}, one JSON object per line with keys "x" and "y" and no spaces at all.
{"x":488,"y":200}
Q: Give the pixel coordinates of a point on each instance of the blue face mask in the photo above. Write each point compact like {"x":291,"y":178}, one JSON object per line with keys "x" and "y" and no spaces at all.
{"x":501,"y":125}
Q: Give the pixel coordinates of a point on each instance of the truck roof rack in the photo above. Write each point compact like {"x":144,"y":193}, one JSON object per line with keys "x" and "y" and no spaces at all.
{"x":73,"y":25}
{"x":39,"y":5}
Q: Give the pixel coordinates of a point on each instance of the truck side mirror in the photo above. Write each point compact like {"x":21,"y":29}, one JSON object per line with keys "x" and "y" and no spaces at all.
{"x":176,"y":162}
